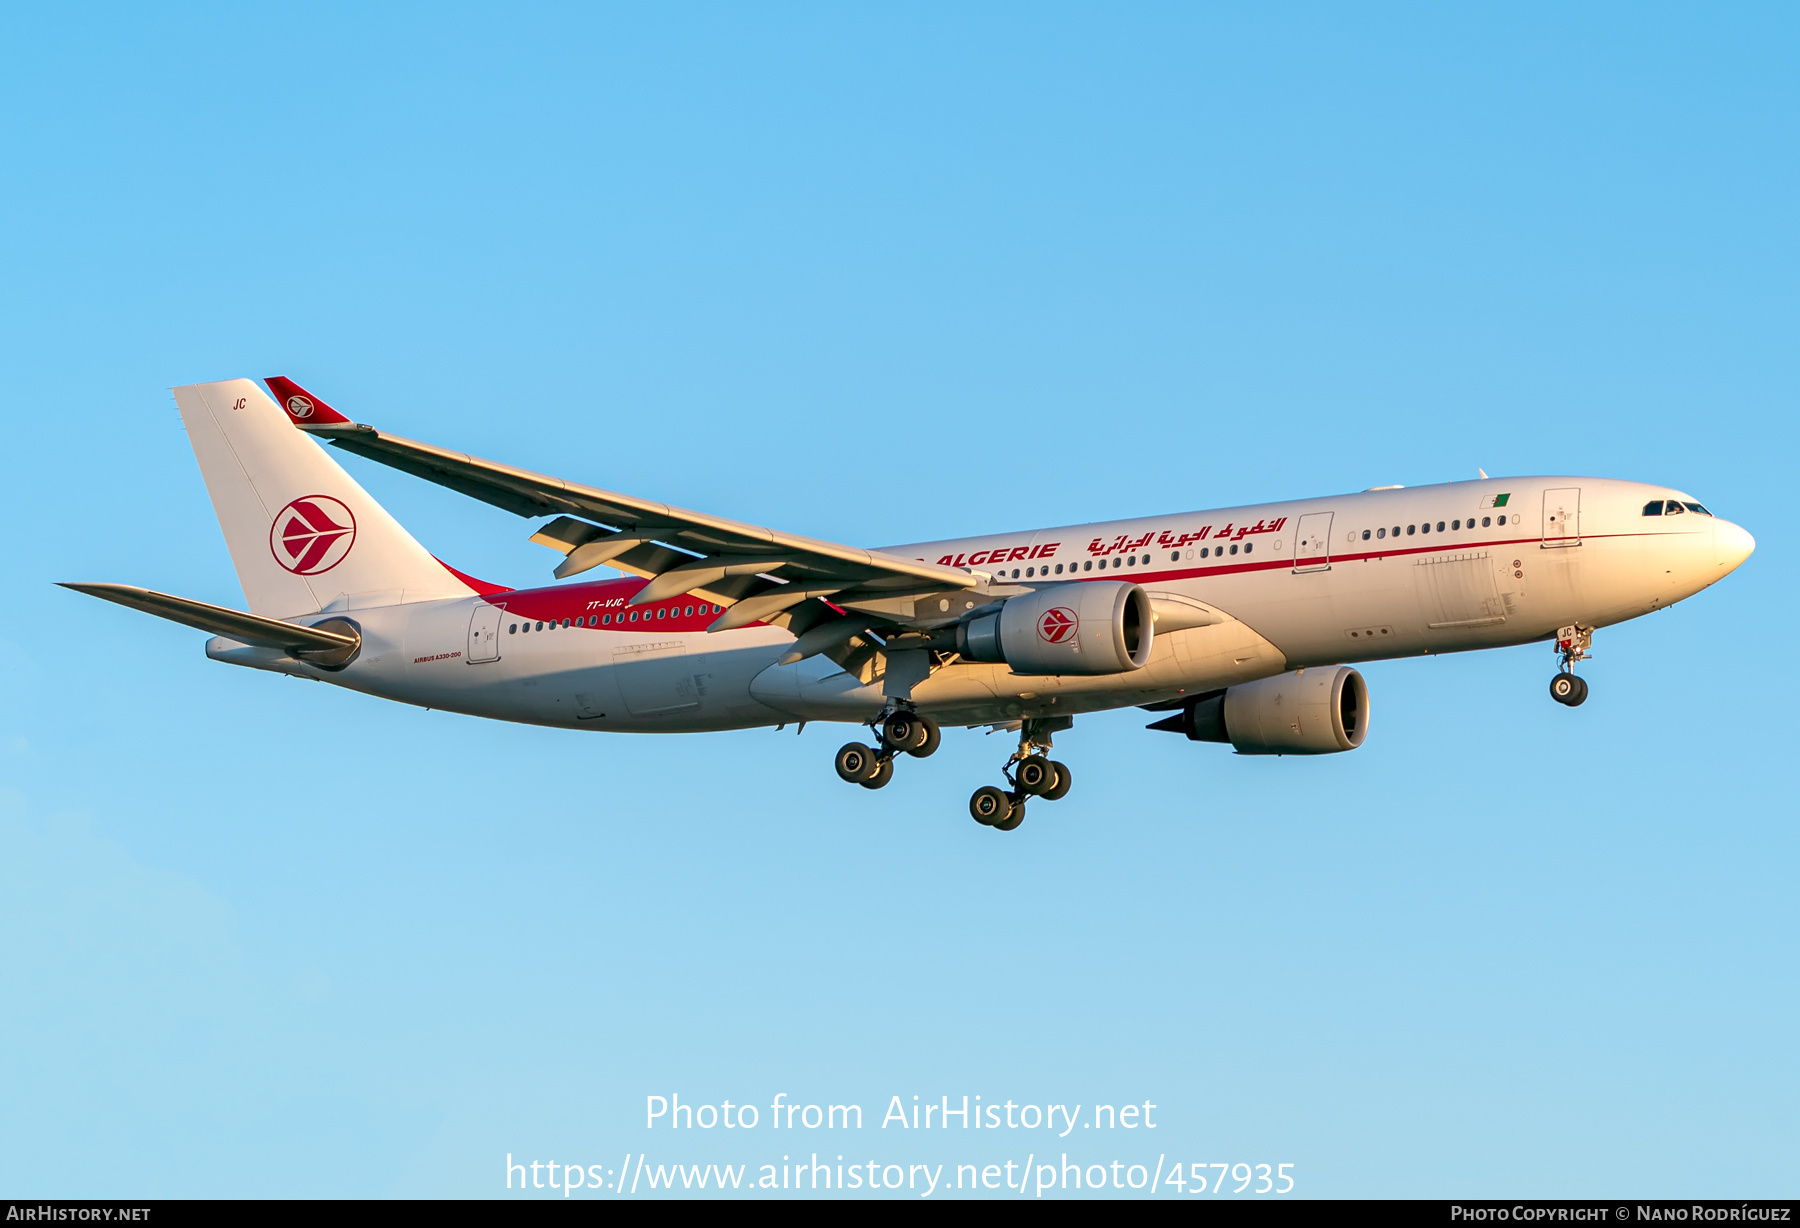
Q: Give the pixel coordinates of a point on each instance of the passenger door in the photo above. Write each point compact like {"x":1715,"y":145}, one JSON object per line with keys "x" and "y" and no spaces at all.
{"x":1562,"y":517}
{"x":484,"y":634}
{"x":1312,"y":542}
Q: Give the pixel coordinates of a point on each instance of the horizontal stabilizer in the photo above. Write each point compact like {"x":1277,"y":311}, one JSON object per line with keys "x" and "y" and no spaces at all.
{"x":308,"y":643}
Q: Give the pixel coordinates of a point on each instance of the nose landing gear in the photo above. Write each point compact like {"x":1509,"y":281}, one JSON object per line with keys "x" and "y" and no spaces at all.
{"x":1031,"y":773}
{"x":1572,"y":644}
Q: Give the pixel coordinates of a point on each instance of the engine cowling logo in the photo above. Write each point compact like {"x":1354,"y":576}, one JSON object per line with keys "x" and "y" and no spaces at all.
{"x":312,"y":534}
{"x":300,"y":407}
{"x":1057,"y":626}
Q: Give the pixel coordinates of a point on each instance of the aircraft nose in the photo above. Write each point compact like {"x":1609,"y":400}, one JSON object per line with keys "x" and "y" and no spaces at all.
{"x":1731,"y":544}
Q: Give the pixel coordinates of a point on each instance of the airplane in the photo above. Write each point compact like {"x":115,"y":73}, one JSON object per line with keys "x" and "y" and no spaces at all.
{"x":1242,"y":624}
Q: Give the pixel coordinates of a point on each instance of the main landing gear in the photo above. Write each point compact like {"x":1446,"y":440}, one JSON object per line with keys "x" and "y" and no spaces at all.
{"x":1572,"y":643}
{"x":1030,"y":772}
{"x":901,"y":731}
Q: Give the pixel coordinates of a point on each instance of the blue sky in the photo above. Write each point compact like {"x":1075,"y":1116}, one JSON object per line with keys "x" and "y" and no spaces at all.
{"x":874,"y":276}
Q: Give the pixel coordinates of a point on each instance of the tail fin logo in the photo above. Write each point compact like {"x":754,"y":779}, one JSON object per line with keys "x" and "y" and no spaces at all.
{"x":300,"y":407}
{"x":312,"y":534}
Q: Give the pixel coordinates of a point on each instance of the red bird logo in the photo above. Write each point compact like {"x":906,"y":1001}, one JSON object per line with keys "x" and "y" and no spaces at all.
{"x":1057,"y":625}
{"x":312,"y":534}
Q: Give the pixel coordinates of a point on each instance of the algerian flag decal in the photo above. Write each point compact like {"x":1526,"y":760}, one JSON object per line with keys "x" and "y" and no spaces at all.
{"x":1495,"y":501}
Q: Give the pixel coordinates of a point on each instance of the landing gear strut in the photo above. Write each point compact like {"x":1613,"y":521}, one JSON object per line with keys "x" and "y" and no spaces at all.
{"x":901,"y":731}
{"x":1572,"y":644}
{"x":1030,"y":772}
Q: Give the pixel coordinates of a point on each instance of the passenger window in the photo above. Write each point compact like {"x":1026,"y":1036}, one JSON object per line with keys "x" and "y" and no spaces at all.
{"x":1247,"y":546}
{"x":1409,"y":530}
{"x":1486,"y":520}
{"x":606,"y":620}
{"x":1234,"y":549}
{"x":1396,"y":530}
{"x":1131,"y":561}
{"x":513,"y":630}
{"x":1440,"y":526}
{"x":1365,"y":535}
{"x":1090,"y":565}
{"x":1174,"y":556}
{"x":1380,"y":532}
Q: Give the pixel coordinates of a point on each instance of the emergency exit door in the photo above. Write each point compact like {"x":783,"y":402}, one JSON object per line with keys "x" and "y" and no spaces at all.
{"x":484,"y":634}
{"x":1312,"y":542}
{"x":1562,"y":517}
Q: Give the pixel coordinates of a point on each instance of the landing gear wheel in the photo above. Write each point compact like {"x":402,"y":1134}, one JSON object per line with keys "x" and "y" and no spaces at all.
{"x":1037,"y":776}
{"x":884,"y":772}
{"x":1016,"y":816}
{"x":933,"y":735}
{"x":1060,"y":789}
{"x":989,"y":806}
{"x":1568,"y":689}
{"x":903,"y":731}
{"x":856,"y":763}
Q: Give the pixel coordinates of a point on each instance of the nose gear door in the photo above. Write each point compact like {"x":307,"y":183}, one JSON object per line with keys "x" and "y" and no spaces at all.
{"x":1562,"y":517}
{"x":1312,"y":542}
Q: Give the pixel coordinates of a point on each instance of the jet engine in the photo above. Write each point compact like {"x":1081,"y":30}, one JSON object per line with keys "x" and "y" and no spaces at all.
{"x":1101,"y":627}
{"x":1306,"y":712}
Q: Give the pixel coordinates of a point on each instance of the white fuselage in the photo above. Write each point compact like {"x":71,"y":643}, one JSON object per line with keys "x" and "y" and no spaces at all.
{"x":1310,"y":582}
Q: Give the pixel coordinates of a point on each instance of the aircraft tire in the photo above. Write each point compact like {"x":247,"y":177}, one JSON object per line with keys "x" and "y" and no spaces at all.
{"x":1059,"y":790}
{"x":902,"y":731}
{"x":1014,"y":817}
{"x":856,"y":763}
{"x":933,"y":736}
{"x":884,"y":772}
{"x":1036,"y":776}
{"x":1568,"y":690}
{"x":989,"y":806}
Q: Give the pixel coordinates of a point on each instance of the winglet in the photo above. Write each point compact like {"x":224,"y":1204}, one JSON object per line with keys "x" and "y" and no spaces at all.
{"x":303,"y":408}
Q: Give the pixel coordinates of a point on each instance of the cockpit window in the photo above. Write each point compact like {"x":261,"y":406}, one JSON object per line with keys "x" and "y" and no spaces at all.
{"x":1653,"y":508}
{"x":1695,"y":507}
{"x":1674,"y":509}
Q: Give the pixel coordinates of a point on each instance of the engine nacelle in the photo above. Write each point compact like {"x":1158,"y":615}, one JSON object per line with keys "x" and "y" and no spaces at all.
{"x":1306,"y":712}
{"x":1101,"y":627}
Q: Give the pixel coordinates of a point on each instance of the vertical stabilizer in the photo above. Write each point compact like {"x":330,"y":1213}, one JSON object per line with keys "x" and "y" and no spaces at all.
{"x":301,"y":531}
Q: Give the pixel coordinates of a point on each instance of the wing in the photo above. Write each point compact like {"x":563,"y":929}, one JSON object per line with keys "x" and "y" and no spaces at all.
{"x":757,"y":574}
